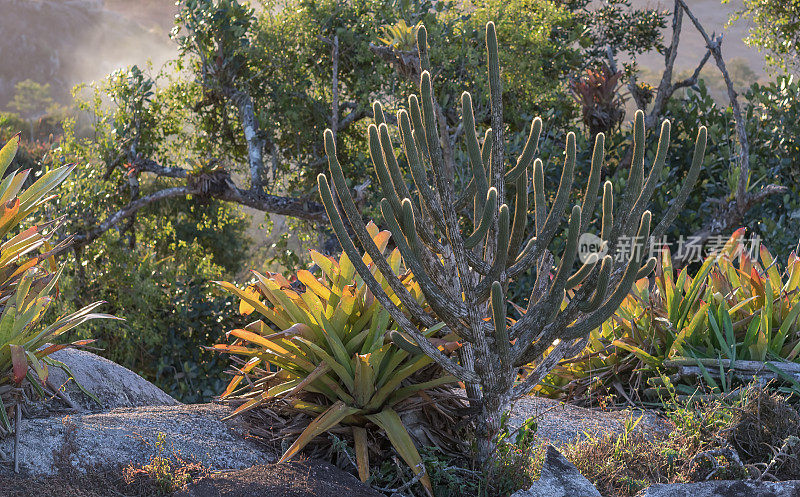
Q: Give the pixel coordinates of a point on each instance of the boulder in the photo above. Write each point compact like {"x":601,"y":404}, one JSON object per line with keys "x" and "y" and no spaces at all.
{"x":559,"y":478}
{"x":113,"y":385}
{"x":725,"y":488}
{"x":309,"y":478}
{"x":195,"y":433}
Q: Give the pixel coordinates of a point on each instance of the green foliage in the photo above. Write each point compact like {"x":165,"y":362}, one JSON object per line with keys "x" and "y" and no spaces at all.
{"x":732,"y":308}
{"x":772,"y":115}
{"x":152,"y":270}
{"x":171,"y":312}
{"x":774,"y":29}
{"x":29,"y":275}
{"x":334,"y":355}
{"x":619,"y":27}
{"x":31,"y":99}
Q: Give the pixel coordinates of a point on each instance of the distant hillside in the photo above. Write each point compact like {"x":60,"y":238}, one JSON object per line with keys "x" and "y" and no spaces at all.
{"x":63,"y":42}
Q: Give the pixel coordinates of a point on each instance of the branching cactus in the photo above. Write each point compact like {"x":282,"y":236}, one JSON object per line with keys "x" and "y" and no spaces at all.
{"x":465,"y":273}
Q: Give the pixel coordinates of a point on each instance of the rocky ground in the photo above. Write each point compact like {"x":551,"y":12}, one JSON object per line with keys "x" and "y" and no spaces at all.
{"x":80,"y":447}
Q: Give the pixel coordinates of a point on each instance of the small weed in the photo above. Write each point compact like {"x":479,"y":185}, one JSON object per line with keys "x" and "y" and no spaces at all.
{"x":169,"y":472}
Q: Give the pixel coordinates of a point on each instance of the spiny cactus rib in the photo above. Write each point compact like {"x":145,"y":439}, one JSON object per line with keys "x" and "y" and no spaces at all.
{"x":543,"y":239}
{"x":600,"y":287}
{"x":404,"y":343}
{"x":384,"y":178}
{"x":597,"y":317}
{"x":581,"y":274}
{"x":380,"y":294}
{"x":416,"y":120}
{"x":590,"y":195}
{"x":499,"y":318}
{"x":473,"y":148}
{"x":526,"y":158}
{"x":608,"y":210}
{"x":377,"y":112}
{"x":647,"y":268}
{"x":539,"y":202}
{"x":520,"y":215}
{"x":486,"y":220}
{"x":688,"y":184}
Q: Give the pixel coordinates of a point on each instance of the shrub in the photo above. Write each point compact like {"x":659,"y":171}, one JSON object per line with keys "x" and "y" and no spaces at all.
{"x":332,"y":357}
{"x":172,"y":313}
{"x":732,"y":308}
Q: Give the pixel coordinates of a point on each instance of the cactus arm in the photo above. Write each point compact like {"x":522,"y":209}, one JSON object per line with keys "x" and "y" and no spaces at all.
{"x":486,"y":148}
{"x":526,"y":158}
{"x":496,"y":110}
{"x":590,"y":195}
{"x":655,"y":172}
{"x":647,"y":268}
{"x":473,"y":148}
{"x":498,"y":304}
{"x":520,"y":215}
{"x":384,"y":178}
{"x":688,"y":184}
{"x":546,"y":309}
{"x":429,"y":123}
{"x":418,"y":173}
{"x":391,"y":162}
{"x":596,"y":318}
{"x":561,"y":327}
{"x":422,"y":48}
{"x":404,"y":343}
{"x":539,"y":202}
{"x":499,"y":265}
{"x":543,"y":239}
{"x":363,"y":236}
{"x":400,"y":185}
{"x":380,"y":294}
{"x":582,"y":272}
{"x":633,"y":186}
{"x":416,"y":120}
{"x":407,"y":242}
{"x":600,"y":287}
{"x":486,"y":220}
{"x":477,"y":263}
{"x":608,"y":211}
{"x":377,"y":113}
{"x":570,"y":251}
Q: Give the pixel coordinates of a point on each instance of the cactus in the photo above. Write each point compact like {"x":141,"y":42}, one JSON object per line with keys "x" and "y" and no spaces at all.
{"x":465,"y":275}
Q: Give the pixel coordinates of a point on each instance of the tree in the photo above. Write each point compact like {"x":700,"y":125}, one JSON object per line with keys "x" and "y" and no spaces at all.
{"x":465,"y":276}
{"x":31,"y":99}
{"x":244,"y":128}
{"x":774,"y":29}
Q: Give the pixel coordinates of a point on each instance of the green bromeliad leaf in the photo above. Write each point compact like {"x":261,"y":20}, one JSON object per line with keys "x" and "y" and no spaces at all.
{"x":331,"y":351}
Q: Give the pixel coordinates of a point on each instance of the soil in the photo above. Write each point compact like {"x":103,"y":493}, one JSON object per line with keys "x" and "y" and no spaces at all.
{"x":308,"y":478}
{"x":93,"y":483}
